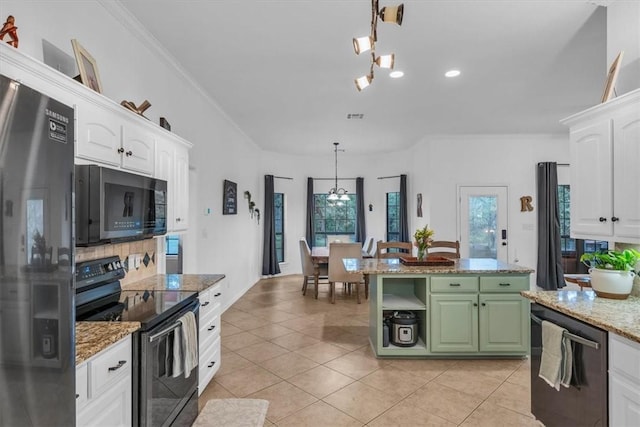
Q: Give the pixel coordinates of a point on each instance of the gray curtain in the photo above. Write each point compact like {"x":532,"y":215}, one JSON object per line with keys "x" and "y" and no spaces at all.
{"x":310,"y":235}
{"x":361,"y":230}
{"x":550,"y":275}
{"x":404,"y":219}
{"x":269,"y":258}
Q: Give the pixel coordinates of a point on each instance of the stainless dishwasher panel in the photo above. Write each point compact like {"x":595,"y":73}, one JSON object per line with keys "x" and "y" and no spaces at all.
{"x":585,"y":403}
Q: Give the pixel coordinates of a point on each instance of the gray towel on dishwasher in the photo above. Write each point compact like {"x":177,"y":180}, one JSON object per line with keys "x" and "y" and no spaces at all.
{"x":556,"y":360}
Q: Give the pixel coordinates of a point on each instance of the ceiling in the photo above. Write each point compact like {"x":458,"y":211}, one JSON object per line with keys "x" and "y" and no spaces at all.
{"x":284,"y":70}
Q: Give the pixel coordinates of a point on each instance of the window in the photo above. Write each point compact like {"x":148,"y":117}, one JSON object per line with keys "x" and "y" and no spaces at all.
{"x":330,"y":219}
{"x":173,"y":245}
{"x":278,"y":214}
{"x":393,"y":217}
{"x":573,"y":248}
{"x":567,"y":244}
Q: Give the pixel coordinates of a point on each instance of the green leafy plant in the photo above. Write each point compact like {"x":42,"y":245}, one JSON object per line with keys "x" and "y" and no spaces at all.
{"x":625,"y":260}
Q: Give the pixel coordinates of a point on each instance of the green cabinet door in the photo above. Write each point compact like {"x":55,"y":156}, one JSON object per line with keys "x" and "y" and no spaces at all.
{"x":504,"y":323}
{"x":454,"y":323}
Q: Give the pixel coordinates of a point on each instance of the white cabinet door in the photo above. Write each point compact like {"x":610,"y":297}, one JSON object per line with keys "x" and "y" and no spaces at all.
{"x":99,"y":135}
{"x":626,"y":175}
{"x":624,"y":381}
{"x":165,"y":165}
{"x":591,"y":179}
{"x":139,"y":147}
{"x":181,"y":187}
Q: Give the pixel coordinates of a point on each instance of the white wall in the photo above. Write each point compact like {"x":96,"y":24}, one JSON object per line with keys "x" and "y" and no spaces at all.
{"x":623,"y":34}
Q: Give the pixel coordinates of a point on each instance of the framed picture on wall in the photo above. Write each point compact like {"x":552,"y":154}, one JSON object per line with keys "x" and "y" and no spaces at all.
{"x":229,"y":198}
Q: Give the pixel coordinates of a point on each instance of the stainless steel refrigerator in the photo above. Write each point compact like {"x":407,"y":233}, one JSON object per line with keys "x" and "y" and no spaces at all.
{"x":37,"y":346}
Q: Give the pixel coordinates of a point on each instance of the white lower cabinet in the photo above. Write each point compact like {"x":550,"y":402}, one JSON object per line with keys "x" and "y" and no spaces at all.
{"x":103,"y":387}
{"x":209,"y":338}
{"x":624,"y":382}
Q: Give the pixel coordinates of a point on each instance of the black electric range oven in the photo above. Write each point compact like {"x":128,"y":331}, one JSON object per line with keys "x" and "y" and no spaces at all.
{"x":160,"y":397}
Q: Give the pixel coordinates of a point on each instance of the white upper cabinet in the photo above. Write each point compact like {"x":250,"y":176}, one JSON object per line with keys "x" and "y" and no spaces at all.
{"x":172,"y":165}
{"x":605,"y":170}
{"x":110,"y":138}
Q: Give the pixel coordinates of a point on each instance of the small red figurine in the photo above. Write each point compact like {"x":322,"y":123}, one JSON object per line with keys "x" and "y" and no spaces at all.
{"x":10,"y":29}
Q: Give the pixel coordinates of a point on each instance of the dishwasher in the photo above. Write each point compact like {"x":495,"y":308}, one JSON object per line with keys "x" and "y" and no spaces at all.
{"x":585,"y":402}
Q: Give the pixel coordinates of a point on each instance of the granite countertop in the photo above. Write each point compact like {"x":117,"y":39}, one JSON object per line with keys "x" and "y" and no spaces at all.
{"x":175,"y":282}
{"x":93,"y":337}
{"x":619,"y":316}
{"x":461,"y":266}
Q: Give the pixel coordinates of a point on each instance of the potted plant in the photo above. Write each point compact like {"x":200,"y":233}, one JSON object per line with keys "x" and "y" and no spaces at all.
{"x":424,"y":239}
{"x":612,"y":272}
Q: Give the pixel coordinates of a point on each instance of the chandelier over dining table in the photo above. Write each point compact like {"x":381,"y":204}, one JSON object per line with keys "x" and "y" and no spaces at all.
{"x":337,"y":194}
{"x":392,"y":14}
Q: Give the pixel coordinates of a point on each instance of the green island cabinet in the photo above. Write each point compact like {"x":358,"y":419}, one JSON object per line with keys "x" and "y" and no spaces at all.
{"x":459,"y":315}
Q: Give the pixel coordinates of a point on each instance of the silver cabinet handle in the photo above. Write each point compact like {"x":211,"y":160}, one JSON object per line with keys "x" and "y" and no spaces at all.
{"x":204,"y":304}
{"x":218,"y":294}
{"x":210,"y":365}
{"x":211,"y":328}
{"x":120,"y":364}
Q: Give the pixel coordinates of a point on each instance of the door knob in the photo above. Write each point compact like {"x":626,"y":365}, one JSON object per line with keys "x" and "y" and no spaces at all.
{"x":614,"y":219}
{"x":504,"y":243}
{"x":602,"y":219}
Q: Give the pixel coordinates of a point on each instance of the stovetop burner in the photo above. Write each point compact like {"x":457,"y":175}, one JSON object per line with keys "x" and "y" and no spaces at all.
{"x":99,"y":298}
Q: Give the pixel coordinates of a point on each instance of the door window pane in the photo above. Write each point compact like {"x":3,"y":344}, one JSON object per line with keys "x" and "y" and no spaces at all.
{"x":482,"y":226}
{"x":278,"y":213}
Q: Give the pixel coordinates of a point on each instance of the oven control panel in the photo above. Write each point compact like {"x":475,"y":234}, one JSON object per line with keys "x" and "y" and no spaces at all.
{"x":99,"y":270}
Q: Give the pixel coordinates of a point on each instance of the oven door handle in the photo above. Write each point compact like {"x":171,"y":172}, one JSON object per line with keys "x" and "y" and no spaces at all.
{"x":572,"y":337}
{"x":175,"y":325}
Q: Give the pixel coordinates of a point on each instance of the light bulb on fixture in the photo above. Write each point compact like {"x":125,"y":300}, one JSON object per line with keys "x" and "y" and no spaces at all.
{"x":392,"y":14}
{"x":362,"y":44}
{"x":385,"y":61}
{"x":363,"y":81}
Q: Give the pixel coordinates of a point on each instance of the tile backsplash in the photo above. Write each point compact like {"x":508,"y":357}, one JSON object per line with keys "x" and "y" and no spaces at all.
{"x":145,"y":248}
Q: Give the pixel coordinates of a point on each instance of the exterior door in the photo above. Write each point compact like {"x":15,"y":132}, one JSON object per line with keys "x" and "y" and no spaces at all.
{"x":483,"y":222}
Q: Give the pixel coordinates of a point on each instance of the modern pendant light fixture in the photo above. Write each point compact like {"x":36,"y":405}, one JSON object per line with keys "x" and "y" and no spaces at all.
{"x":391,"y":14}
{"x":337,"y":195}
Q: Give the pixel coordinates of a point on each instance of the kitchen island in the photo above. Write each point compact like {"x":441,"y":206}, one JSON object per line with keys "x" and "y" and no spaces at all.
{"x":471,"y":309}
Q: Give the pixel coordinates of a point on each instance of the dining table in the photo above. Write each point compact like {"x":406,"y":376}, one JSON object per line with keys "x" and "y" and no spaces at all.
{"x":320,"y":256}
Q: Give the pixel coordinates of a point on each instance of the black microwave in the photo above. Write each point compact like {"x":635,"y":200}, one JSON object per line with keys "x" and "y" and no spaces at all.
{"x":113,"y":205}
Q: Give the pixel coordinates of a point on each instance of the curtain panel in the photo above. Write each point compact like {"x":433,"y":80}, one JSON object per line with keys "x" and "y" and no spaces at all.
{"x":361,"y":229}
{"x":310,"y":235}
{"x":404,"y":217}
{"x":550,"y":275}
{"x":270,"y":264}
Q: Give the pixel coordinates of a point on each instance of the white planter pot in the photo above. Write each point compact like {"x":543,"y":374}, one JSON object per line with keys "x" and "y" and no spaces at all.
{"x":614,"y":284}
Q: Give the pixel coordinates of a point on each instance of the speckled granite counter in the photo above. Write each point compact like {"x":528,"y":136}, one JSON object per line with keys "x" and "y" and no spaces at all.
{"x":175,"y":282}
{"x":619,"y":316}
{"x":461,"y":266}
{"x":93,"y":337}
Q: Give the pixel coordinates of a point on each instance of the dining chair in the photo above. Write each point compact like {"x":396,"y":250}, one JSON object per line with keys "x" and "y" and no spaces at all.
{"x":401,"y":249}
{"x":337,"y":271}
{"x":308,"y":268}
{"x":444,"y":248}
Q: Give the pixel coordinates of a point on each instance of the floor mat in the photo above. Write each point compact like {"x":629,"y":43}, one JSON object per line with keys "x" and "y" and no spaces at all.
{"x":233,"y":413}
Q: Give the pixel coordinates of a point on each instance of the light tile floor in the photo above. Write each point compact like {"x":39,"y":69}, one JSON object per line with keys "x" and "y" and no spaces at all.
{"x":312,"y":361}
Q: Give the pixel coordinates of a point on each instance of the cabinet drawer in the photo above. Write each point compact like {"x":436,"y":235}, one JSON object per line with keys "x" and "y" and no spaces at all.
{"x":209,"y":360}
{"x":454,"y":284}
{"x":624,"y":357}
{"x":209,"y":330}
{"x":82,"y":385}
{"x":209,"y":299}
{"x":503,"y":283}
{"x":110,"y":366}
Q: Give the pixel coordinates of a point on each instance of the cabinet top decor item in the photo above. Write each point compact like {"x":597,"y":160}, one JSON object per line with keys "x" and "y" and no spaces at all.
{"x":610,"y":85}
{"x":11,"y":30}
{"x":87,"y":67}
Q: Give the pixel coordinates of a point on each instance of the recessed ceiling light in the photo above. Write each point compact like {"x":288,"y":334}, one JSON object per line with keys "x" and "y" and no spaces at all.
{"x":452,"y":73}
{"x":396,"y":74}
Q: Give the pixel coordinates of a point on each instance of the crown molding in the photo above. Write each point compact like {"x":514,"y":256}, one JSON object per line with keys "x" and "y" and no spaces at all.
{"x":139,"y":31}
